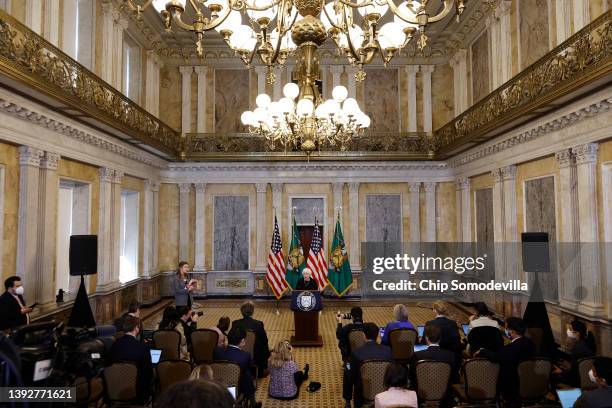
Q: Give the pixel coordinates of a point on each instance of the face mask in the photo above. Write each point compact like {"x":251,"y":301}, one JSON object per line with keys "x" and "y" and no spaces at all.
{"x":570,"y":334}
{"x":19,"y":290}
{"x":592,"y":376}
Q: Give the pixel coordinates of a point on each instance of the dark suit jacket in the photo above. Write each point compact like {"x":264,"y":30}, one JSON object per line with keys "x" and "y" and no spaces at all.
{"x":369,"y":351}
{"x":302,"y":285}
{"x":436,"y":353}
{"x":342,"y":333}
{"x":487,"y":337}
{"x":10,"y":312}
{"x":599,"y":398}
{"x":449,"y":334}
{"x":261,"y":349}
{"x":127,"y":348}
{"x":509,"y":358}
{"x":243,"y":359}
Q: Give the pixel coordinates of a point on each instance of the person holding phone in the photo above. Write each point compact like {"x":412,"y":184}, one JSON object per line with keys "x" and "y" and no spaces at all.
{"x":183,"y":286}
{"x":13,"y":307}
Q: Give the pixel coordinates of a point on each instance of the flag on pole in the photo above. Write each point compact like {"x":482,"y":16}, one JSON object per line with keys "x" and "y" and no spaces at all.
{"x":316,"y":258}
{"x":339,"y":274}
{"x":296,"y":262}
{"x":276,"y":264}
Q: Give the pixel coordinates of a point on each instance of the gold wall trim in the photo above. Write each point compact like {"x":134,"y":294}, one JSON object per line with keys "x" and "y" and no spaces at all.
{"x":29,"y":59}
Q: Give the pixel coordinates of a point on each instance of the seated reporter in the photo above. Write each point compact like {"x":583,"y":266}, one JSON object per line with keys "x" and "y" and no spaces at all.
{"x":188,"y":320}
{"x":128,"y":349}
{"x":261,"y":349}
{"x":397,"y":393}
{"x":450,"y":338}
{"x":171,"y":320}
{"x":435,"y":352}
{"x":306,"y":282}
{"x":600,"y":374}
{"x":196,"y":393}
{"x":285,"y":378}
{"x":400,"y":321}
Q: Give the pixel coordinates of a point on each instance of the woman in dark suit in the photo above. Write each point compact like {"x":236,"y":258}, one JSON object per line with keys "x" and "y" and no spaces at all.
{"x":183,"y":286}
{"x":306,"y":282}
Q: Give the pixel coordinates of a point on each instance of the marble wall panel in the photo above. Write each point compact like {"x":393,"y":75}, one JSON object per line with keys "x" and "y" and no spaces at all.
{"x":170,"y":96}
{"x":419,"y":101}
{"x":484,"y":215}
{"x":136,"y":184}
{"x":381,"y":94}
{"x":442,"y":95}
{"x":9,"y":161}
{"x":306,"y":209}
{"x":446,"y":224}
{"x":540,"y":217}
{"x":533,"y":29}
{"x":231,"y":99}
{"x":231,"y":233}
{"x":168,"y":243}
{"x":480,"y":67}
{"x":383,"y":218}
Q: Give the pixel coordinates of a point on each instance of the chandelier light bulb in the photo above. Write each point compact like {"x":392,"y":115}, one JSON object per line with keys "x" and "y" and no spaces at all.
{"x":350,"y":106}
{"x":339,"y":93}
{"x":403,"y":8}
{"x":291,"y":90}
{"x":304,"y":107}
{"x":243,"y":38}
{"x":247,"y":118}
{"x":262,"y":100}
{"x":259,"y":115}
{"x":391,"y":35}
{"x":285,"y":105}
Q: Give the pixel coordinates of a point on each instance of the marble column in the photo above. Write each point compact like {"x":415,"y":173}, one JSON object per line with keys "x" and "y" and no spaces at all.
{"x":150,"y":234}
{"x":415,"y":211}
{"x":459,"y":63}
{"x":261,"y":71}
{"x":505,"y":41}
{"x":277,"y":196}
{"x":590,"y":267}
{"x":511,"y":233}
{"x":104,"y":229}
{"x":152,"y":82}
{"x":569,"y":272}
{"x":337,"y":189}
{"x":184,"y":193}
{"x":186,"y":72}
{"x":69,"y":26}
{"x":355,"y":244}
{"x":336,"y":71}
{"x":6,"y":5}
{"x":200,"y":227}
{"x":277,"y":86}
{"x":262,"y":253}
{"x":52,"y":19}
{"x":47,"y":229}
{"x":351,"y":82}
{"x":116,"y":226}
{"x":562,"y":17}
{"x":108,"y":46}
{"x":121,"y":24}
{"x":498,"y":223}
{"x":202,"y":71}
{"x":430,"y":211}
{"x":411,"y":71}
{"x":426,"y":78}
{"x":464,"y":213}
{"x":27,"y":227}
{"x":492,"y":24}
{"x":34,"y":15}
{"x":580,"y":13}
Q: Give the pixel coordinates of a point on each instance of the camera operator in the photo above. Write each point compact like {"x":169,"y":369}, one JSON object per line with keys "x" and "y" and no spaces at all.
{"x":128,"y":348}
{"x":342,"y":332}
{"x":189,"y":321}
{"x":13,"y":307}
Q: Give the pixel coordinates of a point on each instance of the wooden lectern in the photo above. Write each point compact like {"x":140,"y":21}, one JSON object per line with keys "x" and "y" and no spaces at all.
{"x":306,"y":305}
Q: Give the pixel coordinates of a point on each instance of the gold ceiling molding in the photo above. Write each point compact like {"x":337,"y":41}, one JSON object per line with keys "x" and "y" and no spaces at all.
{"x":28,"y":58}
{"x":582,"y":59}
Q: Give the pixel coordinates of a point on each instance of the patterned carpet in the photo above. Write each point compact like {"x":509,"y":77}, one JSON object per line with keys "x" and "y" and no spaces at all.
{"x":325,"y":362}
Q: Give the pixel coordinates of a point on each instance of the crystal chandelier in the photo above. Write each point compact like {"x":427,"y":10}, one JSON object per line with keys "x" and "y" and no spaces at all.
{"x":272,"y":25}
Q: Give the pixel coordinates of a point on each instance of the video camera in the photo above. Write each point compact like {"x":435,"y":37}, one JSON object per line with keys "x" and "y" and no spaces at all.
{"x":199,"y":314}
{"x":345,"y":316}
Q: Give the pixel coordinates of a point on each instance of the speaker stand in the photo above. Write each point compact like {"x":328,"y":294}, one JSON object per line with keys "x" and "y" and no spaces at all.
{"x":81,"y":315}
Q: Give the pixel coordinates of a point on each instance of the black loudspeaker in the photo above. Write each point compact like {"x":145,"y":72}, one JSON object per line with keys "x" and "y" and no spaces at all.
{"x":83,"y":257}
{"x":536,"y":256}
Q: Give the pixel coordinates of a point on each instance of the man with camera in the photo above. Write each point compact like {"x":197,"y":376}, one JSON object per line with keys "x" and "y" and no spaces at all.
{"x":189,"y":321}
{"x":342,"y":332}
{"x":13,"y":307}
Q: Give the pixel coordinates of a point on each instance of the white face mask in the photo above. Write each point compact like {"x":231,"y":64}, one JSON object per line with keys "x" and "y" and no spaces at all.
{"x":592,"y":376}
{"x":570,"y":334}
{"x":19,"y":290}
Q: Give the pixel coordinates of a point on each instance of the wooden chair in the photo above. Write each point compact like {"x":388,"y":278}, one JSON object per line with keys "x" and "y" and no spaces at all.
{"x":120,"y":380}
{"x":356,"y":339}
{"x":432,"y":379}
{"x":402,"y":344}
{"x":226,"y":372}
{"x":534,"y":375}
{"x":169,"y":341}
{"x":372,"y":378}
{"x":172,"y":371}
{"x":203,"y":343}
{"x":480,"y":386}
{"x":584,"y":366}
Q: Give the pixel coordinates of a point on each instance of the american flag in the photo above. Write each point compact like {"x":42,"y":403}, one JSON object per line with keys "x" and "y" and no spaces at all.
{"x":276,"y":265}
{"x":316,"y":258}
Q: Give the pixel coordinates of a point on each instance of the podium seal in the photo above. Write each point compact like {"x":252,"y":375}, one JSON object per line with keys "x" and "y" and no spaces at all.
{"x":306,"y":301}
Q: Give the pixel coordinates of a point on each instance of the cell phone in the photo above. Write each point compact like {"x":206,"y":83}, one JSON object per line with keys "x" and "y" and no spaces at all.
{"x":33,"y":305}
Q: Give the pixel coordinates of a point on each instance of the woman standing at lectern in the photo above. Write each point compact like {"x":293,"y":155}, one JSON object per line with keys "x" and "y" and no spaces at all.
{"x":183,"y":286}
{"x":306,"y":282}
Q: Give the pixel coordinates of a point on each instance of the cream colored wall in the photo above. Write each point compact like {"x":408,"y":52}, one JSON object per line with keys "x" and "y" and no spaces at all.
{"x":170,"y":96}
{"x":168,"y":243}
{"x":9,"y":160}
{"x":604,"y":156}
{"x":442,"y":96}
{"x":87,"y":174}
{"x":446,"y":212}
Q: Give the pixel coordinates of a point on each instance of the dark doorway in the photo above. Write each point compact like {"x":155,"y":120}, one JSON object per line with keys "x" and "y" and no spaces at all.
{"x":306,"y":232}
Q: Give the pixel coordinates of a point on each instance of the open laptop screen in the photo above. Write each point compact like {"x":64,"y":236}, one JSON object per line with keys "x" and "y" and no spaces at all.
{"x":568,"y":397}
{"x":155,"y":355}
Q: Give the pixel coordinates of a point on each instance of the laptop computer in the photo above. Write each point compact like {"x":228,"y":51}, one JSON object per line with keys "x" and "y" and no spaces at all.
{"x":232,"y":390}
{"x":568,"y":397}
{"x":420,"y":347}
{"x":421,"y":330}
{"x":466,"y":328}
{"x":155,"y":355}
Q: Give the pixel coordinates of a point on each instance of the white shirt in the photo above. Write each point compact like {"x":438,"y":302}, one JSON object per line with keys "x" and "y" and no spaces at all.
{"x":396,"y":396}
{"x":484,"y":321}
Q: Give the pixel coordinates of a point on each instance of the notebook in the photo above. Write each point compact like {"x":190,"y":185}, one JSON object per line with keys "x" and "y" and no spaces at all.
{"x":420,"y":347}
{"x":568,"y":397}
{"x":421,"y":330}
{"x":155,"y":355}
